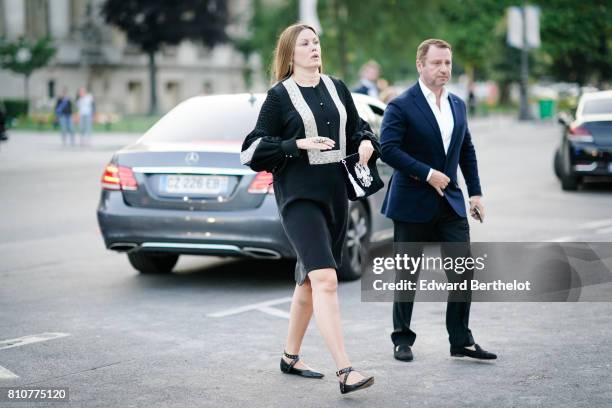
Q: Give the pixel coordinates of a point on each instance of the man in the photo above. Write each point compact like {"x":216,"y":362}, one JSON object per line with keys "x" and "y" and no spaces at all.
{"x":425,"y":138}
{"x":63,"y":112}
{"x":368,"y":75}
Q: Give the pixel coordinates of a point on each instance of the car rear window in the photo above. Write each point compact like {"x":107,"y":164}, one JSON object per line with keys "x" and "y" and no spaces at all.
{"x":597,"y":106}
{"x":205,"y":118}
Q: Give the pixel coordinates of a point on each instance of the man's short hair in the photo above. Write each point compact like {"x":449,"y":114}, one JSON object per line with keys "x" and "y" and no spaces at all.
{"x":424,"y":47}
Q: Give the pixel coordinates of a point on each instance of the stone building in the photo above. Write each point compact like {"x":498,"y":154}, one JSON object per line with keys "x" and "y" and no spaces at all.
{"x":97,"y":55}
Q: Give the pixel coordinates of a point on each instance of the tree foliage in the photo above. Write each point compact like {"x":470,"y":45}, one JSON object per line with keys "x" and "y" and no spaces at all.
{"x":153,"y":23}
{"x":576,"y":36}
{"x":266,"y":24}
{"x":24,"y":56}
{"x":387,"y":31}
{"x":353,"y":32}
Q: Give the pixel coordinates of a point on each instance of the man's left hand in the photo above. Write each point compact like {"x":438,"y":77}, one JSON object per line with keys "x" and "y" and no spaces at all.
{"x":365,"y":151}
{"x":476,"y":202}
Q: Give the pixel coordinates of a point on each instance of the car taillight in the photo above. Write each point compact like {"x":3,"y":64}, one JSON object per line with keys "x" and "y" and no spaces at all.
{"x":577,"y":133}
{"x":262,"y":184}
{"x":118,"y":178}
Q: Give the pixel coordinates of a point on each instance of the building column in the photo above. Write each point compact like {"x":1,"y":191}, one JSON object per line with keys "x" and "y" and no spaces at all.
{"x":15,"y":14}
{"x":59,"y":18}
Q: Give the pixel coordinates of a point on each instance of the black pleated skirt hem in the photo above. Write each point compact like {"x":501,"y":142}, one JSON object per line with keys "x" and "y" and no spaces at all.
{"x":316,"y":232}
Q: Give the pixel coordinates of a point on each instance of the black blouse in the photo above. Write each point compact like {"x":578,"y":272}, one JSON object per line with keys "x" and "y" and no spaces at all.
{"x":279,"y":126}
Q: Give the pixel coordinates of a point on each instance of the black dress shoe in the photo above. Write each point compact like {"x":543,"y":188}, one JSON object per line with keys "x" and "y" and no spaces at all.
{"x":288,"y":368}
{"x":479,"y":353}
{"x":403,"y":353}
{"x":346,"y":388}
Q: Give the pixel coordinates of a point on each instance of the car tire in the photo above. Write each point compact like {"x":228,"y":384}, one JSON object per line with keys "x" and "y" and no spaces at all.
{"x":557,"y":163}
{"x":569,"y":181}
{"x":152,"y":263}
{"x":357,"y":243}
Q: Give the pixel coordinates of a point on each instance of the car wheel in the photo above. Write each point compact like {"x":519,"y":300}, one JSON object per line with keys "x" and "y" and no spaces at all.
{"x":569,"y":181}
{"x":557,"y":163}
{"x":357,"y":243}
{"x":152,"y":263}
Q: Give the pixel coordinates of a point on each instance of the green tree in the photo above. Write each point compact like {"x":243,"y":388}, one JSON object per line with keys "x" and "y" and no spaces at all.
{"x":25,"y":56}
{"x":470,"y":28}
{"x":387,"y":31}
{"x":266,"y":23}
{"x":153,"y":23}
{"x":353,"y":32}
{"x":577,"y":38}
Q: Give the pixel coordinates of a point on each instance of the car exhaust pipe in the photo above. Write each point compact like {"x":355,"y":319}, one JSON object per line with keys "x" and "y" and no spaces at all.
{"x":123,"y":246}
{"x":261,"y":253}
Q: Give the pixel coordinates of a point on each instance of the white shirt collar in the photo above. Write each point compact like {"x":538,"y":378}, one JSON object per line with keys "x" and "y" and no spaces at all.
{"x":429,"y":95}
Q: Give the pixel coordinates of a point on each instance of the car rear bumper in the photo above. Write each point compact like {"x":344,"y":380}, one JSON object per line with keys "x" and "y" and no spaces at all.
{"x":590,"y":160}
{"x":593,"y":168}
{"x":255,"y":233}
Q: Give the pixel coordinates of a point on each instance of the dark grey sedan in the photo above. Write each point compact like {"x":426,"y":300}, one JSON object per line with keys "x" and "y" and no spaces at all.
{"x":180,"y":189}
{"x":586,"y":142}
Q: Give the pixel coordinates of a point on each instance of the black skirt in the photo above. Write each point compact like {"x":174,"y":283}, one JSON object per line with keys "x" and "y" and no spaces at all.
{"x":317,"y":232}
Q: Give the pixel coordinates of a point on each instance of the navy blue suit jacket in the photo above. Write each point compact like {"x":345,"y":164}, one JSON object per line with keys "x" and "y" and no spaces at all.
{"x":412,"y":144}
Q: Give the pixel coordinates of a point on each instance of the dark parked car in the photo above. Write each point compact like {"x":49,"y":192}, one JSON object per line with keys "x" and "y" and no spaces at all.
{"x":586,"y":143}
{"x":180,"y":189}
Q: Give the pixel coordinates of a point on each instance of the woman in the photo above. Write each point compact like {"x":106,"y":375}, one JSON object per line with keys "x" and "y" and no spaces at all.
{"x":307,"y":124}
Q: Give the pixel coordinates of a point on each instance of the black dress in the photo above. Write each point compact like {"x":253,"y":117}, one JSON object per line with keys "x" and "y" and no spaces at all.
{"x":308,"y":185}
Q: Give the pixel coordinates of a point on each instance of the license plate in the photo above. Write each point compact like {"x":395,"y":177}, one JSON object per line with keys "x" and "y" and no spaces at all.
{"x":199,"y":185}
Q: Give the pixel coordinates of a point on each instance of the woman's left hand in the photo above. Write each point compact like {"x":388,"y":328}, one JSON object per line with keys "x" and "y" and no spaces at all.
{"x":365,"y":151}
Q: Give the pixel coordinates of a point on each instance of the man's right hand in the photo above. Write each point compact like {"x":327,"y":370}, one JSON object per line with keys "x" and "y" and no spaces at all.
{"x":439,"y":181}
{"x":315,"y":143}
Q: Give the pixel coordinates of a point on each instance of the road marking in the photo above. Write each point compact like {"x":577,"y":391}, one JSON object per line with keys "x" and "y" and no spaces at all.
{"x":262,"y":307}
{"x":7,"y":374}
{"x":274,"y":312}
{"x":35,"y":338}
{"x":563,"y":239}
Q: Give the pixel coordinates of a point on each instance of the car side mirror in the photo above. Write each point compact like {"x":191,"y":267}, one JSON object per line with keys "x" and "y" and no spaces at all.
{"x":564,"y":119}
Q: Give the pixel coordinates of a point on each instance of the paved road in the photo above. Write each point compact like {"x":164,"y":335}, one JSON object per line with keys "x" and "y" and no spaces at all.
{"x":211,"y":334}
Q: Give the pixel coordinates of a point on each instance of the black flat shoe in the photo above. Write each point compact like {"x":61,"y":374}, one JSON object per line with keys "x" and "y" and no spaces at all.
{"x":479,"y":353}
{"x":346,"y":388}
{"x":403,"y":352}
{"x":288,"y":368}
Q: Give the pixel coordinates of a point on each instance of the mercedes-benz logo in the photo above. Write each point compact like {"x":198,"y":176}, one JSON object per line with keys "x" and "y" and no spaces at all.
{"x":192,"y":158}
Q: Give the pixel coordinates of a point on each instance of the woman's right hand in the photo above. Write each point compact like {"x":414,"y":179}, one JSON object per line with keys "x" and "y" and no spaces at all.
{"x":315,"y":143}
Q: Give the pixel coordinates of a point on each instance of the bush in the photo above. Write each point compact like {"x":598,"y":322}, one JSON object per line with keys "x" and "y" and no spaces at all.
{"x":15,"y":108}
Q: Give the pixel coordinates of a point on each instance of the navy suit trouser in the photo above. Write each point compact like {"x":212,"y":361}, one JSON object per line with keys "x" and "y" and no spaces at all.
{"x":445,"y":227}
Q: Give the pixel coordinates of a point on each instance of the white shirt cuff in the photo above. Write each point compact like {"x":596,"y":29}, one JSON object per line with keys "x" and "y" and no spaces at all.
{"x":429,"y":174}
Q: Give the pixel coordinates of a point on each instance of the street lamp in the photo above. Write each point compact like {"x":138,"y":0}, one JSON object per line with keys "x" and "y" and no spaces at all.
{"x":524,"y":33}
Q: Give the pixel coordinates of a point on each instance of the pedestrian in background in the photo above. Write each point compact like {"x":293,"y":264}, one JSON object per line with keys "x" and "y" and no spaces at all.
{"x":85,"y":106}
{"x":368,"y":77}
{"x":3,"y":135}
{"x":386,"y":90}
{"x":307,"y":124}
{"x":472,"y":99}
{"x":63,"y":112}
